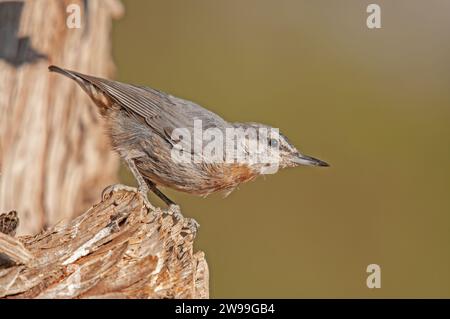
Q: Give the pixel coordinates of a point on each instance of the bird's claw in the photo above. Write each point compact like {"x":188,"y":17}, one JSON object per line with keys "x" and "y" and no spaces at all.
{"x":175,"y":211}
{"x":147,"y":203}
{"x":117,"y":188}
{"x":193,"y":226}
{"x":120,"y":187}
{"x":191,"y":223}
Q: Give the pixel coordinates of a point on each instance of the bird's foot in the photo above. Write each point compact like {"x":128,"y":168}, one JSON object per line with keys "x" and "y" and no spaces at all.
{"x":143,"y":191}
{"x":120,"y":187}
{"x":117,"y":188}
{"x":192,"y":225}
{"x":175,"y":211}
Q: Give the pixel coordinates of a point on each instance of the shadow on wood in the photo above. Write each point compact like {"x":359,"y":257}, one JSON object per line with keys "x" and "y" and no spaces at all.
{"x":116,"y":249}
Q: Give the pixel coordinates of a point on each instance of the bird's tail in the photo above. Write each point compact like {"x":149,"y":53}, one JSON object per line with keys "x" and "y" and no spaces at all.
{"x":88,"y":84}
{"x":57,"y":69}
{"x":81,"y":79}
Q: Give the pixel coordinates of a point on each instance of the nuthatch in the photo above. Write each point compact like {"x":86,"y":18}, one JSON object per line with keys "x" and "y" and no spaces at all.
{"x":140,"y":122}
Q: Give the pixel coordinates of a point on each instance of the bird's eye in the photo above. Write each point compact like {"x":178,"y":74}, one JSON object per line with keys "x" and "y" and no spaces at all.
{"x":273,"y":142}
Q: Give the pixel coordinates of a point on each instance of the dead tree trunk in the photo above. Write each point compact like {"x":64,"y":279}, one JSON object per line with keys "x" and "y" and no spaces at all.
{"x":54,"y":155}
{"x":117,"y":249}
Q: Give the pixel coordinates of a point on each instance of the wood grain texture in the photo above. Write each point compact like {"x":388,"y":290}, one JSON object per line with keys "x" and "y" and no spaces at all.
{"x":54,"y":156}
{"x":116,"y":249}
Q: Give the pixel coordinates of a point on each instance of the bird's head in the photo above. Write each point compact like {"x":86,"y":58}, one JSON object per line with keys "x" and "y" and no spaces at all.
{"x":279,"y":150}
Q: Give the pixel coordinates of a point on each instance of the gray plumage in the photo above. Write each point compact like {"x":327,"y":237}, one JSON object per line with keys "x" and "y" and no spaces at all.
{"x":140,"y":122}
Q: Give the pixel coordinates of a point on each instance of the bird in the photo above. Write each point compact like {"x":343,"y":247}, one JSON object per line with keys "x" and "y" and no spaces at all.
{"x":141,"y":123}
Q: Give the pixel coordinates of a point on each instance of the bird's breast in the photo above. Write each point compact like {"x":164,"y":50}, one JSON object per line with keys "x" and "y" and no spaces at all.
{"x":229,"y":176}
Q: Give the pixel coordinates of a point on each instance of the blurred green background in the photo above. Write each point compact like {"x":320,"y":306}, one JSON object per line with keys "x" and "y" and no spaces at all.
{"x":373,"y":103}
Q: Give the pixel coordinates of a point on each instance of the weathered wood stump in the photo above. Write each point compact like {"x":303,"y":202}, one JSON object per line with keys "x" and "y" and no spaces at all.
{"x":117,"y":249}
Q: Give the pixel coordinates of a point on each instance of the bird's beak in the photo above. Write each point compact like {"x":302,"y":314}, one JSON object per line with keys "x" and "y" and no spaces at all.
{"x":301,"y":159}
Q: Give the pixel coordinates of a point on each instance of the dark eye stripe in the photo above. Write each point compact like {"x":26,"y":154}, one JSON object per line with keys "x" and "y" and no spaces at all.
{"x":273,"y":142}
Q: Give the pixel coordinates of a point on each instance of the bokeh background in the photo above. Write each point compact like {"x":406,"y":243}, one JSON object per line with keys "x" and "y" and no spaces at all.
{"x":373,"y":103}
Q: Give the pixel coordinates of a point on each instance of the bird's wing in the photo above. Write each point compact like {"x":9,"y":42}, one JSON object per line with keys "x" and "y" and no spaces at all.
{"x":147,"y":103}
{"x":161,"y":111}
